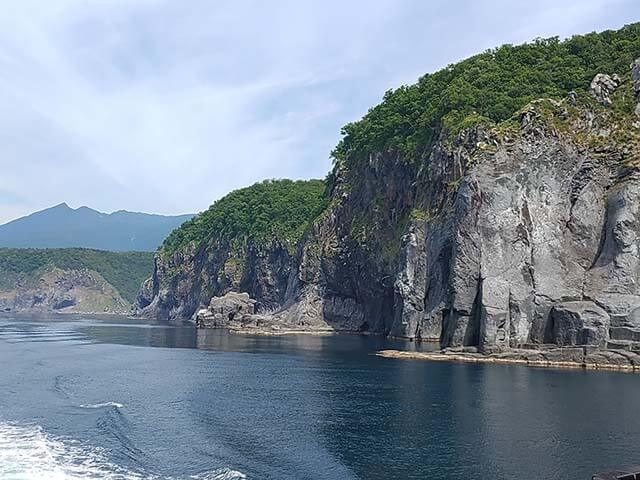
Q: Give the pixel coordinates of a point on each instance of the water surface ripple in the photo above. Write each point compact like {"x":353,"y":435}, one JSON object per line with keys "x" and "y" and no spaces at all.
{"x":91,"y":397}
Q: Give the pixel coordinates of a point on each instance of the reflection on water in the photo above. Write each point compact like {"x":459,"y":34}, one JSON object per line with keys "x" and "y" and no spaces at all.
{"x":206,"y":404}
{"x":131,"y":332}
{"x":122,"y":330}
{"x":148,"y":336}
{"x":212,"y":339}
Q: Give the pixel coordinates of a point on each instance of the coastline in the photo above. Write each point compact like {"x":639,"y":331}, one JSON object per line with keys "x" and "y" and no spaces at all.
{"x":276,"y":333}
{"x":548,"y":356}
{"x":54,"y":313}
{"x":610,"y":360}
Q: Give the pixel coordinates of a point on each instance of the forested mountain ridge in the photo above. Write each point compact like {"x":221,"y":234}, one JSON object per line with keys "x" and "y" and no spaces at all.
{"x":64,"y":227}
{"x":265,"y":211}
{"x":488,"y":87}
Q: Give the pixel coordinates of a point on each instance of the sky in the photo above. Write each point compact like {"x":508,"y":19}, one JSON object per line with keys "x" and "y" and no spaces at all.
{"x":165,"y":106}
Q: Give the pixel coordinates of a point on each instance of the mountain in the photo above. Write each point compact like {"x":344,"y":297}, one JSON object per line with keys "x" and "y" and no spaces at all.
{"x":493,"y":205}
{"x":64,"y":227}
{"x":71,"y":280}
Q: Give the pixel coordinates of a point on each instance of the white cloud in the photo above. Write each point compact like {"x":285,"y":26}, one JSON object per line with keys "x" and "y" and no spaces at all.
{"x":165,"y":106}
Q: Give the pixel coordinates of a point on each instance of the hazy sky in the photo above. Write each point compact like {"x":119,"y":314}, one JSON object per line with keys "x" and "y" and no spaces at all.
{"x":165,"y":106}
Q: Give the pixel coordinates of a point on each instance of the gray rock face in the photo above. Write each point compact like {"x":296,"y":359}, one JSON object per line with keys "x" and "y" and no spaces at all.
{"x":512,"y":230}
{"x":411,"y":283}
{"x":186,"y":282}
{"x":224,"y":311}
{"x":635,"y":76}
{"x":602,"y":86}
{"x":236,"y":312}
{"x":499,"y":238}
{"x":65,"y":291}
{"x":579,"y":323}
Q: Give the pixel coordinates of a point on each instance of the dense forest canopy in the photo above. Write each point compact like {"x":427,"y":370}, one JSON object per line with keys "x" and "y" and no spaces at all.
{"x":267,"y":210}
{"x":124,"y":271}
{"x":492,"y":85}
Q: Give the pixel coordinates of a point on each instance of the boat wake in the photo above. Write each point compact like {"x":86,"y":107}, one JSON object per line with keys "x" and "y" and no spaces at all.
{"x":219,"y":474}
{"x":27,"y":452}
{"x":103,"y":405}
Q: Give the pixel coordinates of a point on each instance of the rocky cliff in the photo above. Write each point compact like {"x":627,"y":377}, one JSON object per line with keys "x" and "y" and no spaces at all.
{"x":64,"y":291}
{"x":522,"y":233}
{"x":497,"y":231}
{"x":245,"y":242}
{"x":70,"y":280}
{"x":187,"y":280}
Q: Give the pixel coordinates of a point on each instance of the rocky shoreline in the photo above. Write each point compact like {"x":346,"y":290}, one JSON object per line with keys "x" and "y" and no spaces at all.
{"x":235,"y":312}
{"x":280,"y":332}
{"x":586,"y":358}
{"x":503,"y":236}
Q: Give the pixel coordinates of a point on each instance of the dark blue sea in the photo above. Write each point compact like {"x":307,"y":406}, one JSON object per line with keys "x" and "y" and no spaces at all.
{"x":114,"y":398}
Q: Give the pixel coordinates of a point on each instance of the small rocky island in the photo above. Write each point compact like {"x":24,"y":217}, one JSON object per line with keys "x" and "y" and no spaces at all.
{"x":503,"y":236}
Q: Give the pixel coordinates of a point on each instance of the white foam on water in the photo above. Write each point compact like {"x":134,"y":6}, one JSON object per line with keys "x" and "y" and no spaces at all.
{"x":102,"y":405}
{"x":219,"y":474}
{"x":29,"y":453}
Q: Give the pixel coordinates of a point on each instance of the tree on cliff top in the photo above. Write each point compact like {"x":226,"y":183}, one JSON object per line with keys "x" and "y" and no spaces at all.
{"x":270,"y":210}
{"x":492,"y":85}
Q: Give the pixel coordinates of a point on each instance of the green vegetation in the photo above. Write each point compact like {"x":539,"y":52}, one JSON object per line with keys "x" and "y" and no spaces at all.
{"x":273,"y":209}
{"x":490,"y":86}
{"x":124,"y":271}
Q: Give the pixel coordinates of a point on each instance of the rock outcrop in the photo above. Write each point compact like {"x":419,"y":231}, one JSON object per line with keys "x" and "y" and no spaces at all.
{"x":185,"y":282}
{"x":501,"y":237}
{"x":226,"y":310}
{"x":237,"y":312}
{"x":64,"y":291}
{"x":635,"y":77}
{"x":579,"y":323}
{"x":602,"y":86}
{"x":245,"y":242}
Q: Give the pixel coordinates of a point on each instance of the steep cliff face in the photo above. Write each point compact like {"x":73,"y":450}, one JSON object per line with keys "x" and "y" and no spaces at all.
{"x":536,"y":222}
{"x":245,"y":243}
{"x":64,"y":291}
{"x":525,"y":232}
{"x":364,"y":264}
{"x":487,"y":229}
{"x":185,"y":281}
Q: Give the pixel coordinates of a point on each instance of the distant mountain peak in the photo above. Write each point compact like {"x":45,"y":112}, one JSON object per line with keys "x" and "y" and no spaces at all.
{"x":62,"y":226}
{"x":60,"y":206}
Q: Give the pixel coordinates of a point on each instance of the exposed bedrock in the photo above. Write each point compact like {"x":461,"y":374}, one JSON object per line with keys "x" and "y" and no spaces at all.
{"x":533,"y":230}
{"x":579,"y":323}
{"x":226,"y":310}
{"x":64,"y":291}
{"x":501,"y":236}
{"x":543,"y":223}
{"x":186,"y":281}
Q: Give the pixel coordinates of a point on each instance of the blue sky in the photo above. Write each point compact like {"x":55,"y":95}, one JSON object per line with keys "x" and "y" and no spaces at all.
{"x":165,"y":106}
